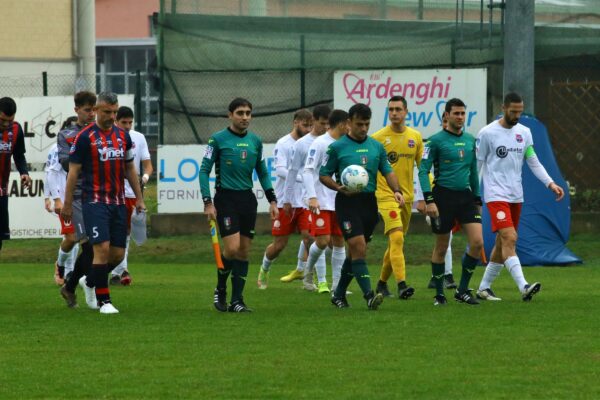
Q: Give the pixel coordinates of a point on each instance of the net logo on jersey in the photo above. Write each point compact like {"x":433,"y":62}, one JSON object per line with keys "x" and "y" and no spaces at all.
{"x":392,"y":157}
{"x":501,"y":152}
{"x":110,"y":153}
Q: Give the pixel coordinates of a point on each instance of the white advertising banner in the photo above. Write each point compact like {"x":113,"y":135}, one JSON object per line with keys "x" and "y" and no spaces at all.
{"x":426,"y":92}
{"x":178,"y":188}
{"x":41,"y":119}
{"x":27,"y":215}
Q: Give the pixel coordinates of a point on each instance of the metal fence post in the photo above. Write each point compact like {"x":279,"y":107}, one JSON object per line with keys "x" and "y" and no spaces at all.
{"x":137,"y":105}
{"x":44,"y":83}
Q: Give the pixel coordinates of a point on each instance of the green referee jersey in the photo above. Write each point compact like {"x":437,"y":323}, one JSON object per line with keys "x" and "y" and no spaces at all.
{"x":235,"y":158}
{"x":346,"y":151}
{"x":453,"y":160}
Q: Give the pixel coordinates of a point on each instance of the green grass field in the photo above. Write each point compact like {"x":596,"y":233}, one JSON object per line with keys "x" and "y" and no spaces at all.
{"x":169,"y":342}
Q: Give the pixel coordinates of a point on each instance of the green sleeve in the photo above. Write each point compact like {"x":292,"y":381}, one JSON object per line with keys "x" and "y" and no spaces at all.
{"x":429,"y":154}
{"x":262,"y":171}
{"x":331,"y":165}
{"x":210,"y":156}
{"x":474,"y":176}
{"x":384,"y":165}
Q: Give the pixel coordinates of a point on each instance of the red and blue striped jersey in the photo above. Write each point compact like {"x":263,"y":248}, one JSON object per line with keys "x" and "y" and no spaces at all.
{"x":102,"y":155}
{"x":12,"y":144}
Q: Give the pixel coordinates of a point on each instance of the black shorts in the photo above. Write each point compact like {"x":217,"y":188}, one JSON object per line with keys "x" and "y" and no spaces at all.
{"x":357,"y":215}
{"x":454,"y":206}
{"x":4,"y":228}
{"x":236,"y":212}
{"x":106,"y":223}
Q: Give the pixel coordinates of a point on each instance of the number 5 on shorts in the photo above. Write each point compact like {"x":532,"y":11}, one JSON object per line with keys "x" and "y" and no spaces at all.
{"x":95,"y":233}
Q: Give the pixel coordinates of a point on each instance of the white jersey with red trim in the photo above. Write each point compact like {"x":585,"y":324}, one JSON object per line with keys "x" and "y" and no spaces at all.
{"x":314,"y":160}
{"x":502,"y":152}
{"x":140,"y":152}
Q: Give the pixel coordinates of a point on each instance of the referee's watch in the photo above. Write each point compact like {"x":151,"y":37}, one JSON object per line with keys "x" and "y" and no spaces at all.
{"x":207,"y":200}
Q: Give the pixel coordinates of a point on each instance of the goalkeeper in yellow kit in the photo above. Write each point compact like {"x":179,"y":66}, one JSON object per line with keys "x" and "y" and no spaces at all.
{"x":404,"y":148}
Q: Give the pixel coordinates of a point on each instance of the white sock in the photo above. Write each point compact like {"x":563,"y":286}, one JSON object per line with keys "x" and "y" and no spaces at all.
{"x":448,"y":258}
{"x":321,"y":268}
{"x":513,"y":264}
{"x":62,"y":257}
{"x":489,"y":276}
{"x":301,"y":263}
{"x":70,"y":263}
{"x":119,"y":269}
{"x":266,"y":263}
{"x":314,"y":253}
{"x":338,"y":255}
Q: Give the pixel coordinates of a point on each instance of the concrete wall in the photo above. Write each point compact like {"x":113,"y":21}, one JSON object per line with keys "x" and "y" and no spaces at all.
{"x":124,"y":19}
{"x":35,"y":30}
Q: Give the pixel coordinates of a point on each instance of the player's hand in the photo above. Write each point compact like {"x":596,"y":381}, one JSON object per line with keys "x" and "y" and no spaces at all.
{"x":431,"y":210}
{"x":48,"y":205}
{"x":58,"y":205}
{"x":210,"y":211}
{"x":313,"y":206}
{"x":273,"y":210}
{"x":287,"y":209}
{"x":399,"y":198}
{"x":558,"y":191}
{"x":140,"y":206}
{"x":346,"y":192}
{"x":66,"y":213}
{"x":25,"y":181}
{"x":421,"y":206}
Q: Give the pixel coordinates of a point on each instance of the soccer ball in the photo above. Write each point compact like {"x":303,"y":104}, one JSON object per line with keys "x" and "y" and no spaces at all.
{"x":355,"y":178}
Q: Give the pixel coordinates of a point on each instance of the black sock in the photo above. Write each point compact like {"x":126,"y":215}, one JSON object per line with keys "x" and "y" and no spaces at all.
{"x":61,"y":271}
{"x":223,"y":274}
{"x":99,"y":279}
{"x":0,"y":244}
{"x":82,"y":266}
{"x":238,"y":279}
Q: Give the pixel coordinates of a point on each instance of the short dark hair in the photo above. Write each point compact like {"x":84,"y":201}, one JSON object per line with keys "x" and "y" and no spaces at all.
{"x":337,"y":117}
{"x":85,"y":98}
{"x":454,"y":102}
{"x":124,"y":112}
{"x":512,"y":97}
{"x":302,"y":115}
{"x":238,"y":102}
{"x":8,"y":106}
{"x":399,"y":98}
{"x":321,"y":111}
{"x":359,"y":110}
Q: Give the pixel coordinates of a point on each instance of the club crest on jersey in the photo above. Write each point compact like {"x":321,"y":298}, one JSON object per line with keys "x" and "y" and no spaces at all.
{"x":363,"y":160}
{"x":312,"y":152}
{"x":6,"y":147}
{"x":411,"y":144}
{"x":347,"y":226}
{"x":243,"y":154}
{"x":519,"y":138}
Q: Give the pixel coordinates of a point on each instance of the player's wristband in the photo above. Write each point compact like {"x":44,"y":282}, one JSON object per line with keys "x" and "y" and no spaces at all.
{"x":477,"y":200}
{"x":207,"y":200}
{"x":428,"y":197}
{"x":270,"y":194}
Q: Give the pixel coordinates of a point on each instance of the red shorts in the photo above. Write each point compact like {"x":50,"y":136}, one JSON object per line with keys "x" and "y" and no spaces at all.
{"x":130,"y":205}
{"x":324,"y":224}
{"x":504,"y":215}
{"x":64,"y":228}
{"x":288,"y":224}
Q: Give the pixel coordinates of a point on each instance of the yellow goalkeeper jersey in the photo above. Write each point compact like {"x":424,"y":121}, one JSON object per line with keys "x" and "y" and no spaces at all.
{"x":403,"y":150}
